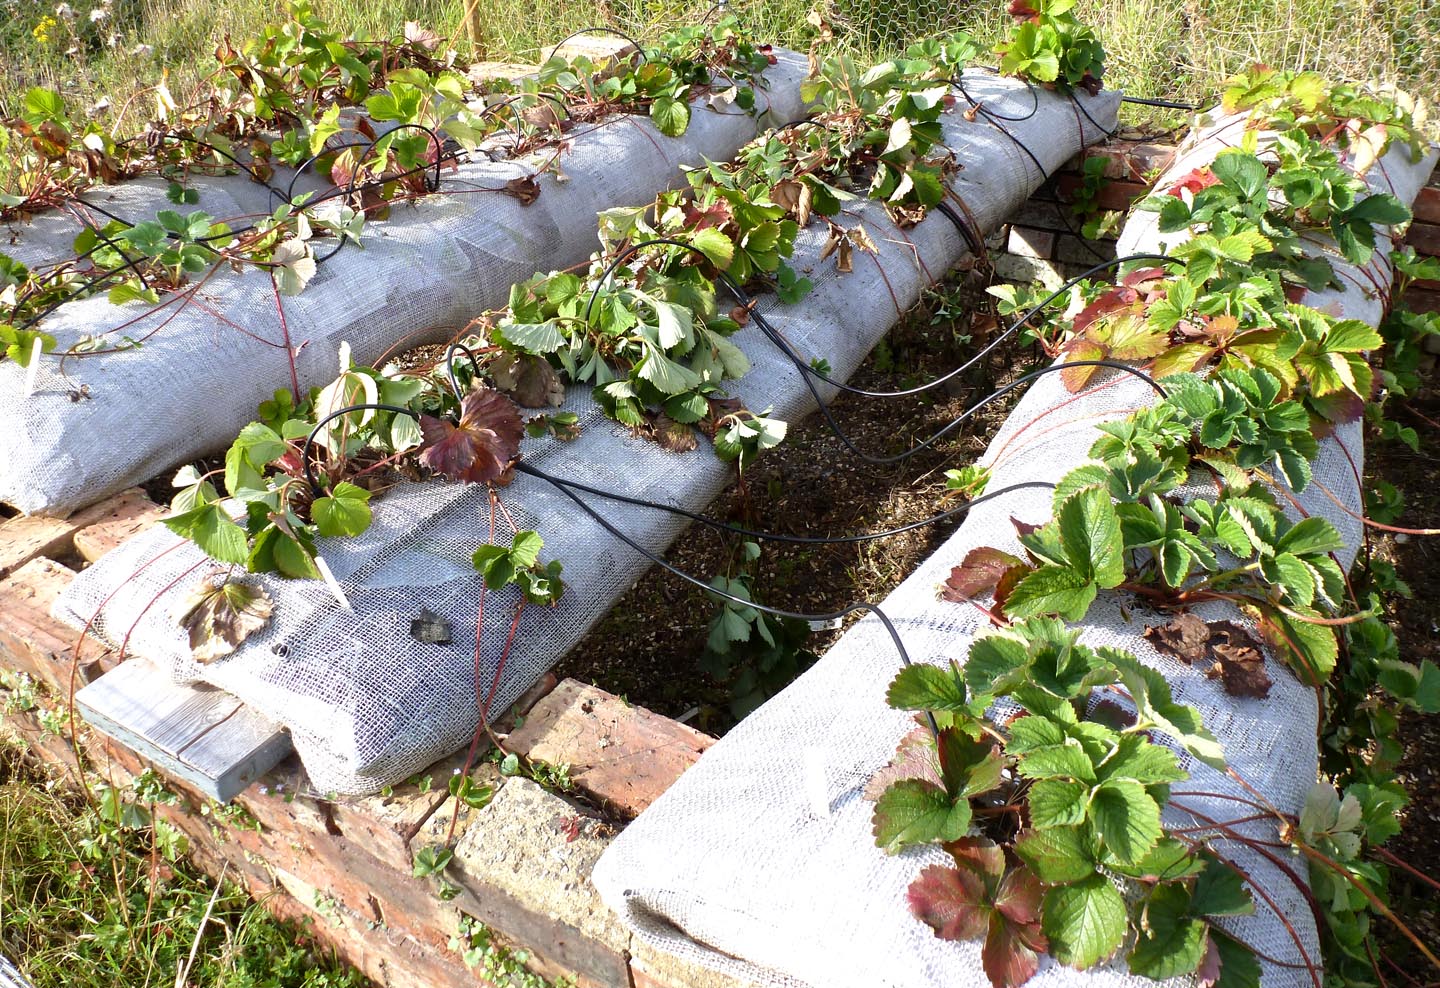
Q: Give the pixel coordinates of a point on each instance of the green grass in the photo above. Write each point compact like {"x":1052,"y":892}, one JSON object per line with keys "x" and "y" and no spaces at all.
{"x":105,"y":897}
{"x":1168,"y":48}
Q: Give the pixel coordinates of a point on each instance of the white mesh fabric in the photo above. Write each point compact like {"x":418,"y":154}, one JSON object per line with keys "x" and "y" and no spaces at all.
{"x":367,"y":704}
{"x":419,"y":277}
{"x":735,"y":869}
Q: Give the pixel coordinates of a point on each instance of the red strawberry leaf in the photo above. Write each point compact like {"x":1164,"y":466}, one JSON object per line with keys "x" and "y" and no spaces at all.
{"x":1193,"y":181}
{"x":978,"y":572}
{"x":481,"y":449}
{"x":951,"y":901}
{"x":972,"y":899}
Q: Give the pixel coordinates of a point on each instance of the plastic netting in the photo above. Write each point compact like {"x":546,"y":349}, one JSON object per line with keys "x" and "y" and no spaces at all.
{"x":368,"y":704}
{"x":739,"y":867}
{"x":96,"y":424}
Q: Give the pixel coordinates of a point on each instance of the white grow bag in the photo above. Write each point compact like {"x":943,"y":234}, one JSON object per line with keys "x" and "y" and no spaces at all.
{"x":366,"y":703}
{"x":736,"y":866}
{"x":417,"y":278}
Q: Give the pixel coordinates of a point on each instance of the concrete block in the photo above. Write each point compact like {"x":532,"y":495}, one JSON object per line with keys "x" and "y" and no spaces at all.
{"x":524,"y":866}
{"x":1025,"y":242}
{"x":1074,"y":250}
{"x":1009,"y":267}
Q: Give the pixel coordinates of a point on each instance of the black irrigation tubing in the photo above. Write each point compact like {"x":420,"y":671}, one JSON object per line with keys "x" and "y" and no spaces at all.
{"x":720,"y":526}
{"x":1014,"y":328}
{"x":1163,"y":103}
{"x":600,"y":30}
{"x":964,"y":416}
{"x":315,"y":489}
{"x":450,"y":367}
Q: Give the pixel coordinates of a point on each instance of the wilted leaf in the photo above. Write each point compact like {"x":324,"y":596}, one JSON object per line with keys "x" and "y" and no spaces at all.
{"x":220,"y":615}
{"x":527,"y":378}
{"x":1224,"y":650}
{"x":526,"y":189}
{"x":294,"y":267}
{"x":672,"y":435}
{"x":479,"y":450}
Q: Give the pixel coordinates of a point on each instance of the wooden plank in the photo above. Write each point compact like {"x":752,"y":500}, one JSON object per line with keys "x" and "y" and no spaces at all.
{"x":24,"y":538}
{"x":10,"y":975}
{"x":28,"y":537}
{"x":197,"y":733}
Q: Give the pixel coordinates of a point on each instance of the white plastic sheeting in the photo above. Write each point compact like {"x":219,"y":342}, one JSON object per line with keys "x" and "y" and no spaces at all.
{"x":416,"y":278}
{"x":366,"y":703}
{"x":736,"y":866}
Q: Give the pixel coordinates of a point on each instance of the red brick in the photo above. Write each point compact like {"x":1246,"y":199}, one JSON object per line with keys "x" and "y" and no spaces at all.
{"x":1425,"y":238}
{"x":1422,"y":301}
{"x":623,"y":755}
{"x":1112,"y":194}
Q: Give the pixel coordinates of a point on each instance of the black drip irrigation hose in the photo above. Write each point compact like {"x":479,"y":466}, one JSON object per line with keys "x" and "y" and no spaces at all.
{"x":450,"y":367}
{"x":316,"y":490}
{"x":600,"y":29}
{"x":720,"y":526}
{"x":812,"y":619}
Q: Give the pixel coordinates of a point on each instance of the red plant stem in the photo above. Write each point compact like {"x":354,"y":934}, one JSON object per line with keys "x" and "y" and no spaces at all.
{"x":75,"y":669}
{"x":125,"y":642}
{"x":479,"y":643}
{"x":1375,"y":964}
{"x":1369,"y":522}
{"x":1228,"y":823}
{"x":1374,"y":900}
{"x":285,"y":335}
{"x":1390,"y":858}
{"x":1259,"y":847}
{"x":1309,"y":965}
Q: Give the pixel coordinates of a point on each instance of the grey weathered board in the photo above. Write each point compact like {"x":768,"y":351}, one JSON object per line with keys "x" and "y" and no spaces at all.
{"x":197,"y":733}
{"x":10,"y":976}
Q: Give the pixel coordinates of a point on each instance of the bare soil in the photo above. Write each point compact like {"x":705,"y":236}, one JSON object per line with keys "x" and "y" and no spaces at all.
{"x":647,"y":648}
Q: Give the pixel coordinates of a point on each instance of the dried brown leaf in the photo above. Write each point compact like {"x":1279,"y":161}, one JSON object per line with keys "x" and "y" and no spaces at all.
{"x":528,"y":379}
{"x":1223,"y":649}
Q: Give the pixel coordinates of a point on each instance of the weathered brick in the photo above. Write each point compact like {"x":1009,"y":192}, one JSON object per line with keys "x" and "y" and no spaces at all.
{"x":623,"y":755}
{"x":34,"y":642}
{"x":1425,"y":238}
{"x":524,"y":866}
{"x":1423,"y":301}
{"x":118,"y":519}
{"x":1111,"y":195}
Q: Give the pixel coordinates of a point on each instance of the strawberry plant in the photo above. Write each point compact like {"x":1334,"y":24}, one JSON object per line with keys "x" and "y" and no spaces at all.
{"x":1050,"y":45}
{"x":1251,"y":378}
